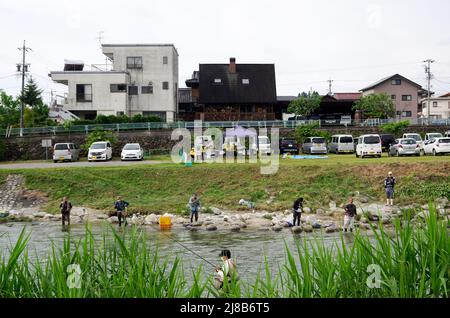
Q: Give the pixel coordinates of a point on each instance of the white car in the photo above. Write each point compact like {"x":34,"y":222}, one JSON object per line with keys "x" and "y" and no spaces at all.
{"x":101,"y":150}
{"x":369,"y":146}
{"x":132,"y":152}
{"x":437,"y":146}
{"x":416,"y":137}
{"x":430,"y":136}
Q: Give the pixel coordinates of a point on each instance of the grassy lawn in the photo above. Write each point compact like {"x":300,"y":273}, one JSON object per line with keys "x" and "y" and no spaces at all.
{"x":167,"y":187}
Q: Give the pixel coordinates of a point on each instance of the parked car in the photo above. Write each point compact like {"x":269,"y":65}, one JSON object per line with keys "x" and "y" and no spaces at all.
{"x":437,"y":146}
{"x":101,"y":150}
{"x":264,"y":145}
{"x":404,"y":147}
{"x":386,"y":141}
{"x":430,"y":136}
{"x":368,"y":146}
{"x":417,"y":138}
{"x":132,"y":152}
{"x":65,"y":152}
{"x":289,"y":145}
{"x":317,"y":145}
{"x":341,"y":144}
{"x":447,"y":134}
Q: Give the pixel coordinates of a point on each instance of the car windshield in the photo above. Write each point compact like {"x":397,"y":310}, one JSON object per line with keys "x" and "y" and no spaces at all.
{"x":444,"y":141}
{"x":371,"y":140}
{"x":435,"y":136}
{"x":415,"y":137}
{"x":348,"y":140}
{"x":289,"y":141}
{"x":98,"y":146}
{"x":318,"y":140}
{"x":61,"y":147}
{"x":408,"y":142}
{"x":131,"y":147}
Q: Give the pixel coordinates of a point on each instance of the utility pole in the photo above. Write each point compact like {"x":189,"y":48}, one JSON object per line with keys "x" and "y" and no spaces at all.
{"x":330,"y":83}
{"x":429,"y":77}
{"x":24,"y":68}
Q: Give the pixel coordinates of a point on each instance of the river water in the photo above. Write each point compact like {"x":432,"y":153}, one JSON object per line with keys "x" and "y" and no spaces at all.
{"x":248,"y":247}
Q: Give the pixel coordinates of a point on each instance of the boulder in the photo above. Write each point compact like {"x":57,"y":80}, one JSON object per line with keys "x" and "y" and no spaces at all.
{"x":329,"y":213}
{"x":197,"y":224}
{"x":332,"y":204}
{"x":206,"y":223}
{"x":307,"y":228}
{"x":320,"y":211}
{"x":151,"y":219}
{"x":316,"y":226}
{"x":277,"y":228}
{"x":211,"y":227}
{"x":310,"y":220}
{"x":264,"y":228}
{"x":363,"y":199}
{"x":337,"y":210}
{"x":39,"y":214}
{"x":306,"y":210}
{"x":297,"y":229}
{"x":216,"y":211}
{"x":226,"y":218}
{"x":113,"y":219}
{"x":235,"y":228}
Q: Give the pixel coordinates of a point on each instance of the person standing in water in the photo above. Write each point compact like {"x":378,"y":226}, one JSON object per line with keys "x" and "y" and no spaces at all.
{"x":228,"y":269}
{"x":194,"y":206}
{"x":65,"y":207}
{"x":297,"y":211}
{"x":389,"y":185}
{"x":121,"y":207}
{"x":349,"y":217}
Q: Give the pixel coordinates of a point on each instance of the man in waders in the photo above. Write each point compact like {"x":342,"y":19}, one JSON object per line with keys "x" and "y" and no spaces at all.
{"x":349,"y":217}
{"x":194,"y":206}
{"x":389,"y":185}
{"x":121,"y":208}
{"x":297,"y":211}
{"x":65,"y":208}
{"x":228,"y":269}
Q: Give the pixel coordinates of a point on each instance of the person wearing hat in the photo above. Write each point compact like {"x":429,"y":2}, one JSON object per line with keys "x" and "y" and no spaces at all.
{"x":389,"y":185}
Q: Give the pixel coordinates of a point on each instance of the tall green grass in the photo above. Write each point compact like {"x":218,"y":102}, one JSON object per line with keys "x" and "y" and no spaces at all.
{"x":413,"y":262}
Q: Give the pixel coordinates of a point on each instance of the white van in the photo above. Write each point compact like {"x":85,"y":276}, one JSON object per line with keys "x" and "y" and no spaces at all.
{"x":368,"y":146}
{"x":100,"y":151}
{"x":447,"y":134}
{"x":264,"y":145}
{"x":341,"y":144}
{"x":416,"y":137}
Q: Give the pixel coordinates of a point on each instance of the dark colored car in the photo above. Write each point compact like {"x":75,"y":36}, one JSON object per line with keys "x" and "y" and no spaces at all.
{"x":386,"y":141}
{"x":288,"y":145}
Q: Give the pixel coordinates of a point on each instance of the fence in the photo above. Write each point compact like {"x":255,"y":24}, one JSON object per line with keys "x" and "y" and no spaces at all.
{"x":85,"y":129}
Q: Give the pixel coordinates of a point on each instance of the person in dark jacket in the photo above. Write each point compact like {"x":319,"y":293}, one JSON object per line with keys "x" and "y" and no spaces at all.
{"x":121,"y":208}
{"x":65,"y":207}
{"x":349,"y":217}
{"x":194,"y":206}
{"x":389,"y":185}
{"x":297,"y":211}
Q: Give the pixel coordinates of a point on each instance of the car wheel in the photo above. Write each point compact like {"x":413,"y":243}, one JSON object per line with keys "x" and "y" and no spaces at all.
{"x":397,"y":154}
{"x":434,"y":152}
{"x":55,"y":161}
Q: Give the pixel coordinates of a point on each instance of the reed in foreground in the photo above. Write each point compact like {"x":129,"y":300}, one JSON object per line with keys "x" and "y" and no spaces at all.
{"x":411,"y":261}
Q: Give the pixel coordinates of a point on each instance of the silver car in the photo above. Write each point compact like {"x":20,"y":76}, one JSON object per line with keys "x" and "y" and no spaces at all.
{"x":404,"y":147}
{"x":65,"y":152}
{"x":315,"y":145}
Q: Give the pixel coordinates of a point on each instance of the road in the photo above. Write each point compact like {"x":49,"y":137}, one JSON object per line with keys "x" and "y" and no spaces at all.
{"x":47,"y":165}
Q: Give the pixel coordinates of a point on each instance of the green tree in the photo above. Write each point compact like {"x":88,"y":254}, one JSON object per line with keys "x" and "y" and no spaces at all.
{"x":99,"y":135}
{"x":305,"y":104}
{"x":376,"y":106}
{"x":31,"y":94}
{"x":9,"y":110}
{"x":396,"y":129}
{"x":310,"y":130}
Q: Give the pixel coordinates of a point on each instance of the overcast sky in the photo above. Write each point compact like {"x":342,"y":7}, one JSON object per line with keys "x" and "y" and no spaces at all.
{"x":352,"y":42}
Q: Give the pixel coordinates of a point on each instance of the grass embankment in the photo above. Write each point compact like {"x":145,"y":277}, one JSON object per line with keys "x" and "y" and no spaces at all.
{"x":166,"y":188}
{"x":413,"y":262}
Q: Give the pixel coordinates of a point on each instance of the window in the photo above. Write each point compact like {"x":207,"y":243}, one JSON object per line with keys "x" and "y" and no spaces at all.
{"x":165,"y":85}
{"x":406,"y":98}
{"x":165,"y":60}
{"x":120,"y":113}
{"x":393,"y":97}
{"x":134,"y":62}
{"x":406,"y":114}
{"x":84,"y":93}
{"x":147,"y":89}
{"x":435,"y":104}
{"x":217,"y":81}
{"x":161,"y":115}
{"x":132,"y":90}
{"x":396,"y":81}
{"x":118,"y":88}
{"x":245,"y":81}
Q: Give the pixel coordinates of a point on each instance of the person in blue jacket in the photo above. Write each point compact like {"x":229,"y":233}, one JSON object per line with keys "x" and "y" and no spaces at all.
{"x":121,"y":208}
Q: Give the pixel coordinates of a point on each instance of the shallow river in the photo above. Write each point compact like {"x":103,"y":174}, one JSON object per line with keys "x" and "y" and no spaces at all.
{"x":247,"y":247}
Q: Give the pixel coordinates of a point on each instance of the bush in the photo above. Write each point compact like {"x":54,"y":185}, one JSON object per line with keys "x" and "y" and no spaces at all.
{"x":310,"y":130}
{"x":99,"y":135}
{"x":102,"y":119}
{"x":396,"y":129}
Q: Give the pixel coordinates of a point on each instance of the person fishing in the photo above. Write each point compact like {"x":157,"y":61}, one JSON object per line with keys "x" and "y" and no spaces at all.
{"x":194,"y":206}
{"x":65,"y":208}
{"x":297,"y":210}
{"x":389,"y":185}
{"x":349,"y":217}
{"x":228,"y":269}
{"x":121,"y":208}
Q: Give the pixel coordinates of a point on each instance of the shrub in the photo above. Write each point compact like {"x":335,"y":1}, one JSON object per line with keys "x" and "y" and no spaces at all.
{"x":396,"y":129}
{"x":99,"y":135}
{"x":310,"y":130}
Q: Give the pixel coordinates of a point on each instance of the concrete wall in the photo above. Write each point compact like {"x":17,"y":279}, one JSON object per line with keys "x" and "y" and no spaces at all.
{"x":158,"y":142}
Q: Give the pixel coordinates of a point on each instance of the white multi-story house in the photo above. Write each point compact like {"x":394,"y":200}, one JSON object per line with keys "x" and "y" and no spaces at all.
{"x":439,"y":107}
{"x":143,"y":80}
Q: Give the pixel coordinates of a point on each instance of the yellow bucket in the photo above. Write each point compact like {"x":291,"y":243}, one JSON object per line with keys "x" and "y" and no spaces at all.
{"x":165,"y":222}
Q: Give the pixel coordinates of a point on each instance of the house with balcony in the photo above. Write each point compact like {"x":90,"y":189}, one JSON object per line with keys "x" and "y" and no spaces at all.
{"x":143,"y":79}
{"x":231,"y":92}
{"x":405,"y":94}
{"x":439,"y":107}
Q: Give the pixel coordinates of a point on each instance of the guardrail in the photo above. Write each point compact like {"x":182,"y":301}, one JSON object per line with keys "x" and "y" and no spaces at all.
{"x":85,"y":129}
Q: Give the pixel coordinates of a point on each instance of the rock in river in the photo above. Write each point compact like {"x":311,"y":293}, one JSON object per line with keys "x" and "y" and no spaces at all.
{"x":277,"y":228}
{"x":235,"y":228}
{"x":297,"y":229}
{"x":211,"y":227}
